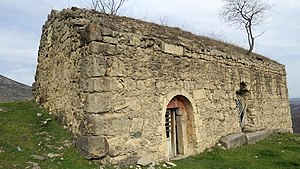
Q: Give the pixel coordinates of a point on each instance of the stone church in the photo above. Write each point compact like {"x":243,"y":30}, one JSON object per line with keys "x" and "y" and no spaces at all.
{"x":128,"y":89}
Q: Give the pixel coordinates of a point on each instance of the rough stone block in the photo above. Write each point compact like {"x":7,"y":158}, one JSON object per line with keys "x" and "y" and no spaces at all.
{"x":199,"y":94}
{"x":172,"y":49}
{"x":110,"y":40}
{"x":249,"y":128}
{"x":144,"y":161}
{"x":94,"y":66}
{"x":282,"y":131}
{"x":233,"y":140}
{"x":254,"y":137}
{"x":92,"y":146}
{"x":116,"y":67}
{"x":103,"y":84}
{"x":137,"y":125}
{"x":107,"y":31}
{"x":109,"y":124}
{"x":135,"y":41}
{"x":169,"y":163}
{"x":91,"y":32}
{"x":79,"y":21}
{"x":97,"y":103}
{"x":102,"y":48}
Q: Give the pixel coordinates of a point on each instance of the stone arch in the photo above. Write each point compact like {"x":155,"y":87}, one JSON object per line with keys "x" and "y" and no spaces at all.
{"x":183,"y":107}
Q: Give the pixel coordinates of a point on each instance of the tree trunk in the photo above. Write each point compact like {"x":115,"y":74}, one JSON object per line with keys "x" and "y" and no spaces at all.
{"x":251,"y":46}
{"x":251,"y":39}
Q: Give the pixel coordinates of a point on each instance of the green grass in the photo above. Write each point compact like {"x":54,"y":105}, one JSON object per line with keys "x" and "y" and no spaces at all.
{"x":20,"y":126}
{"x":275,"y":152}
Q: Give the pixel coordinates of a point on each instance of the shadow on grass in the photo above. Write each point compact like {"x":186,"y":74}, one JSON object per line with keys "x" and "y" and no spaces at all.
{"x":288,"y":164}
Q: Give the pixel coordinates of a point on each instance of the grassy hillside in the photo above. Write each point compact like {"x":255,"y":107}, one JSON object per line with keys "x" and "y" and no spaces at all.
{"x":11,"y":90}
{"x":30,"y":137}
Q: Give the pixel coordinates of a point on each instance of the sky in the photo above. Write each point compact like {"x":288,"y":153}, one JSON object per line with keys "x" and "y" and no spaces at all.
{"x":21,"y":26}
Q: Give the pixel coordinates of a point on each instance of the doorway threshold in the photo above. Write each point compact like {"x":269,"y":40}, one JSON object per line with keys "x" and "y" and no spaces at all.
{"x":179,"y":157}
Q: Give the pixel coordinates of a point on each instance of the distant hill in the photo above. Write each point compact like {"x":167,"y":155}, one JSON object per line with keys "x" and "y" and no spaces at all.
{"x":295,"y":111}
{"x":295,"y":101}
{"x":11,"y":90}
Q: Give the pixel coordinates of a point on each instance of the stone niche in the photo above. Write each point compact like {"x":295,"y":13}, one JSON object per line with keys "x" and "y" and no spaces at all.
{"x":132,"y":90}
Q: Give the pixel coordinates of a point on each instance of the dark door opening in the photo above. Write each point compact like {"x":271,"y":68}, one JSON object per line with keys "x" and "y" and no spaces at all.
{"x":172,"y":132}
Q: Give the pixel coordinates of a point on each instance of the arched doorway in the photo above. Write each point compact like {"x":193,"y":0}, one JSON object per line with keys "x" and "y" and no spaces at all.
{"x":179,"y":122}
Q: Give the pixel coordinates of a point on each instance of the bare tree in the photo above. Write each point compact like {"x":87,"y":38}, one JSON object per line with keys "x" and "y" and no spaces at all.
{"x":247,"y":14}
{"x":163,"y":20}
{"x":108,"y":6}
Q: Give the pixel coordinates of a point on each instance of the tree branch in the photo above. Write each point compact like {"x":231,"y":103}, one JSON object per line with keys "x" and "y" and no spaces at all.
{"x":108,"y":6}
{"x":248,"y":13}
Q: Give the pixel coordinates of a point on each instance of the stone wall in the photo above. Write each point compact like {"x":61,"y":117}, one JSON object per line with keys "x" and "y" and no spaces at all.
{"x":111,"y":80}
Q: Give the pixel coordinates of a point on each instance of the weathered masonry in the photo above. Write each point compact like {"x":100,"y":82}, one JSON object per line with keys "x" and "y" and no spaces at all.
{"x":128,"y":89}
